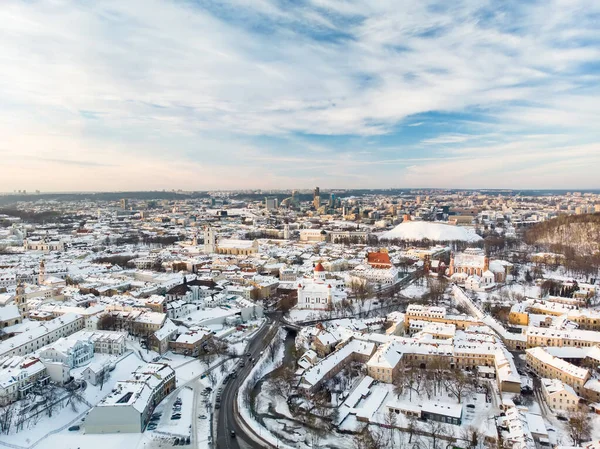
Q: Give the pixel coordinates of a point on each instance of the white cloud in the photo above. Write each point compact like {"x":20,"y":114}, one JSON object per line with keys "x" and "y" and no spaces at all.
{"x":199,"y":85}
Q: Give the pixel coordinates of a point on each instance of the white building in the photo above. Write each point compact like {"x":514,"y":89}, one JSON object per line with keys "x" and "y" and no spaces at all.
{"x":18,"y":375}
{"x":127,"y":409}
{"x":560,"y":396}
{"x":42,"y":334}
{"x":319,"y":293}
{"x":69,"y":351}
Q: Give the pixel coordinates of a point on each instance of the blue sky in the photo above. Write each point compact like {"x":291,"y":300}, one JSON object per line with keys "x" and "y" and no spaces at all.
{"x":147,"y":94}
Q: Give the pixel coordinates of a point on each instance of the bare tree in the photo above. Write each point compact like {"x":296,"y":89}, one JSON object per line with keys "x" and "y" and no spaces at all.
{"x":6,"y":417}
{"x":436,"y":289}
{"x":391,"y":420}
{"x":398,"y":383}
{"x":414,"y":381}
{"x":282,"y":382}
{"x":212,"y":378}
{"x":459,"y":384}
{"x":473,"y":437}
{"x":107,"y":322}
{"x":411,"y":427}
{"x":104,"y":375}
{"x":73,"y":399}
{"x":369,"y":439}
{"x":436,"y":431}
{"x":51,"y":399}
{"x":578,"y":427}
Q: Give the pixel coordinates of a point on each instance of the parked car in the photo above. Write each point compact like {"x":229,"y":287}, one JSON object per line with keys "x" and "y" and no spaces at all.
{"x":470,"y":405}
{"x":202,"y":416}
{"x":73,"y":428}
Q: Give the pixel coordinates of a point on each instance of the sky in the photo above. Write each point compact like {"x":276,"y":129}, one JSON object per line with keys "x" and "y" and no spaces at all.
{"x":197,"y":95}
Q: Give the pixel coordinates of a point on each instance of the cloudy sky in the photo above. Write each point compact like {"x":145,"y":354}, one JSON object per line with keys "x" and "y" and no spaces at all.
{"x":148,"y":94}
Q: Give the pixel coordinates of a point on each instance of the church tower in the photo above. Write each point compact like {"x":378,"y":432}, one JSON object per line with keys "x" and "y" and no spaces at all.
{"x":286,"y":231}
{"x":42,"y":273}
{"x":319,"y":273}
{"x":20,"y":299}
{"x":210,"y":240}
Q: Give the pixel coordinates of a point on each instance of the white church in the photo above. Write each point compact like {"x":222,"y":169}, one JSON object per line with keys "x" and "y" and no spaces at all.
{"x":318,"y":292}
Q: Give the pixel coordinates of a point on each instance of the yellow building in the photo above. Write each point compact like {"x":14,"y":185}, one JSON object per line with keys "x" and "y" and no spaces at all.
{"x":518,"y":315}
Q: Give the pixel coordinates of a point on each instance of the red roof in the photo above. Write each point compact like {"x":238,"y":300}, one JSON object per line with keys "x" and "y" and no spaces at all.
{"x":379,"y":258}
{"x":319,"y":267}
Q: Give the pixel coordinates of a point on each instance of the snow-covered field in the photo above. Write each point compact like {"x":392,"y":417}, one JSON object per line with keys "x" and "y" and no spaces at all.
{"x":440,"y":232}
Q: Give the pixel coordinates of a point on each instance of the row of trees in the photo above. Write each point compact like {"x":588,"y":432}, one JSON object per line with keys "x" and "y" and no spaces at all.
{"x":433,"y":381}
{"x":43,"y":401}
{"x":422,"y":435}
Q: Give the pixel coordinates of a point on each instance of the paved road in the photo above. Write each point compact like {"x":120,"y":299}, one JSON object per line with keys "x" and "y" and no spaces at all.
{"x":226,"y":414}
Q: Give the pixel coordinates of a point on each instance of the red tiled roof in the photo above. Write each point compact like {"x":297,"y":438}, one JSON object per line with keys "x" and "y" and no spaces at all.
{"x":379,"y":258}
{"x":319,"y":267}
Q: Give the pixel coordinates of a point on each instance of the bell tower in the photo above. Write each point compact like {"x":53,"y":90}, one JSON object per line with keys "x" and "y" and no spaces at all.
{"x":42,"y":272}
{"x":210,"y":241}
{"x":20,"y":299}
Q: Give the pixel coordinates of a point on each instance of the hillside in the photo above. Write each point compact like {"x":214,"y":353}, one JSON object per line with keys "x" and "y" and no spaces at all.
{"x":579,"y":233}
{"x":438,"y":232}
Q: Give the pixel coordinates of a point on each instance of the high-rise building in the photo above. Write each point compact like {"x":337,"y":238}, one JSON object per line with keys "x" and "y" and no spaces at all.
{"x":317,"y":198}
{"x":271,"y":203}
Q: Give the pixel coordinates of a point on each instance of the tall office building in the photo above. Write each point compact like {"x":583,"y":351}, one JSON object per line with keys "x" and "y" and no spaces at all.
{"x":317,"y":198}
{"x":271,"y":203}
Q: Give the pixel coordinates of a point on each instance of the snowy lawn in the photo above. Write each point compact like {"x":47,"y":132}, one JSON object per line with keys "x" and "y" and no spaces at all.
{"x":66,"y":415}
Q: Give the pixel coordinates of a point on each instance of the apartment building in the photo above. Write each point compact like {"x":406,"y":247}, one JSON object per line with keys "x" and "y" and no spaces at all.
{"x":546,"y":365}
{"x":437,"y":315}
{"x":560,"y":396}
{"x":105,"y":342}
{"x":385,"y":365}
{"x":68,"y":351}
{"x":18,"y":375}
{"x":538,"y":336}
{"x":128,"y":408}
{"x":41,"y":334}
{"x":349,"y":351}
{"x":191,"y":343}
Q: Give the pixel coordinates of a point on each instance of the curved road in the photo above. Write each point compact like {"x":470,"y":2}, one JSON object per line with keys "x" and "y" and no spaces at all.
{"x":226,"y":416}
{"x":226,"y":419}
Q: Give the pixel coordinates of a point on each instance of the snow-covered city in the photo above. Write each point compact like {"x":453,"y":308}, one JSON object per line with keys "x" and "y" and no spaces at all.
{"x":305,"y":224}
{"x":300,"y":319}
